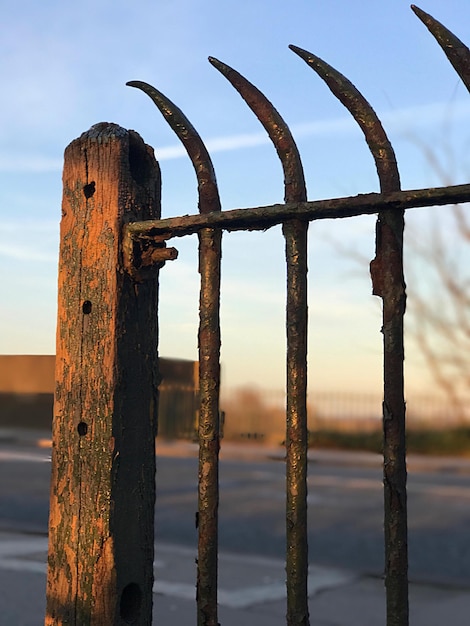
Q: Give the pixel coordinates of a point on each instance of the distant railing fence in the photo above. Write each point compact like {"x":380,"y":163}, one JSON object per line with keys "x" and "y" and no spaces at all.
{"x":259,"y":414}
{"x":113,"y":243}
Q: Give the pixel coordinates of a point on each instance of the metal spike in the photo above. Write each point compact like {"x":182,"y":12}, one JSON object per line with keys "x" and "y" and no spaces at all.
{"x":454,"y":49}
{"x":209,"y":199}
{"x":209,"y":358}
{"x":295,"y":233}
{"x":388,"y":283}
{"x":365,"y":116}
{"x":277,"y":129}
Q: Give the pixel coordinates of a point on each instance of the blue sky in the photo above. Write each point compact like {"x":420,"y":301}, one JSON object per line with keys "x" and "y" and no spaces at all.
{"x":64,"y":68}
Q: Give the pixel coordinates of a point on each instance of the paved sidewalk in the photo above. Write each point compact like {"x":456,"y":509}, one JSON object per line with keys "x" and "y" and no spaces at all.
{"x":247,"y":450}
{"x":243,"y":450}
{"x":251,"y":591}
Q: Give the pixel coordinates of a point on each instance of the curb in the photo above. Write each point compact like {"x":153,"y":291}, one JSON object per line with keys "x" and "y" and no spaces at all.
{"x":241,"y":451}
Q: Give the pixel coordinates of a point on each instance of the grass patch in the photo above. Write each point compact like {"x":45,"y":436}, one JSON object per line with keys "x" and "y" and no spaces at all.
{"x":453,"y":442}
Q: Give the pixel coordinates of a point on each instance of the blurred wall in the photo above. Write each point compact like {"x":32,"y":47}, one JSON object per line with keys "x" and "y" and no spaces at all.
{"x":27,"y":385}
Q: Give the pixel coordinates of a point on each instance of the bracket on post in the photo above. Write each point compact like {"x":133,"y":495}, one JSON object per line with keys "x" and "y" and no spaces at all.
{"x":144,"y":255}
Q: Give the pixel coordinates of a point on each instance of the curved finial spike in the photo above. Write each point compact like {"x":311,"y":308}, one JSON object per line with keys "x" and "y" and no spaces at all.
{"x":209,"y":199}
{"x":454,"y":49}
{"x":277,"y":129}
{"x":365,"y":116}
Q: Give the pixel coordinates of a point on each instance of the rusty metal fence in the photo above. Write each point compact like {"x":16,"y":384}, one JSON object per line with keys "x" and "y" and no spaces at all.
{"x":145,"y":242}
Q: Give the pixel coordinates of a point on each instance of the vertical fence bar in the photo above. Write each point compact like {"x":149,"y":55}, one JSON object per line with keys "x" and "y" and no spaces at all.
{"x":295,"y":233}
{"x":209,"y":427}
{"x":210,"y":241}
{"x":101,"y":525}
{"x":388,"y":283}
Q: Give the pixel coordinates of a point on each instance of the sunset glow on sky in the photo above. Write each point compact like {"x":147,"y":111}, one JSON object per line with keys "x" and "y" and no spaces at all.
{"x":64,"y":69}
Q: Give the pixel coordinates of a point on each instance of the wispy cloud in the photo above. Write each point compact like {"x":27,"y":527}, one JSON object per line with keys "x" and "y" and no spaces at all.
{"x":404,"y":119}
{"x":400,"y":120}
{"x":38,"y":241}
{"x":408,"y":118}
{"x":24,"y":253}
{"x":252,"y":140}
{"x":33,"y":163}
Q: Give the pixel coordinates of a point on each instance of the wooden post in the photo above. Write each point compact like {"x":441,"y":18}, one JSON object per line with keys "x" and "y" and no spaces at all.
{"x":101,"y":526}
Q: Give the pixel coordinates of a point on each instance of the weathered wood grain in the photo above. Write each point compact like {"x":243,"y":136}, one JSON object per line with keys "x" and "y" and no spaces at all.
{"x":101,"y":528}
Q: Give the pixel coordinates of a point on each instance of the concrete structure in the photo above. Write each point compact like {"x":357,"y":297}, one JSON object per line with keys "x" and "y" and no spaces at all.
{"x":27,"y":394}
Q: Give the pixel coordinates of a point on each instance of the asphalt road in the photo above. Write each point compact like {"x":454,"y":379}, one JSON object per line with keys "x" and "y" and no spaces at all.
{"x":345,"y":511}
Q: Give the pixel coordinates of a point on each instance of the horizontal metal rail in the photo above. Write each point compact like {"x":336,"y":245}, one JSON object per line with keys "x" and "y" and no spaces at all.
{"x":261,"y":218}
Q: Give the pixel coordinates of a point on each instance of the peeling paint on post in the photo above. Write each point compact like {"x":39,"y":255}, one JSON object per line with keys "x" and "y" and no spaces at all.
{"x":101,"y":526}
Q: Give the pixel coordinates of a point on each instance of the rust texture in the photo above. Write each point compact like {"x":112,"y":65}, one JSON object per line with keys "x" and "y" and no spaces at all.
{"x":277,"y":129}
{"x":144,"y":256}
{"x":364,"y":115}
{"x":101,"y":524}
{"x":389,"y":284}
{"x":207,"y":185}
{"x":263,"y":217}
{"x":295,"y":234}
{"x":455,"y":50}
{"x":209,"y":357}
{"x":209,"y":427}
{"x":113,"y":243}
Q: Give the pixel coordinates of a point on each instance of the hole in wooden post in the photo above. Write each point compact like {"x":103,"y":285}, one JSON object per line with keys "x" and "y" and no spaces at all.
{"x":131,"y":599}
{"x":86,"y":307}
{"x":89,"y":189}
{"x":82,"y":429}
{"x":139,"y":161}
